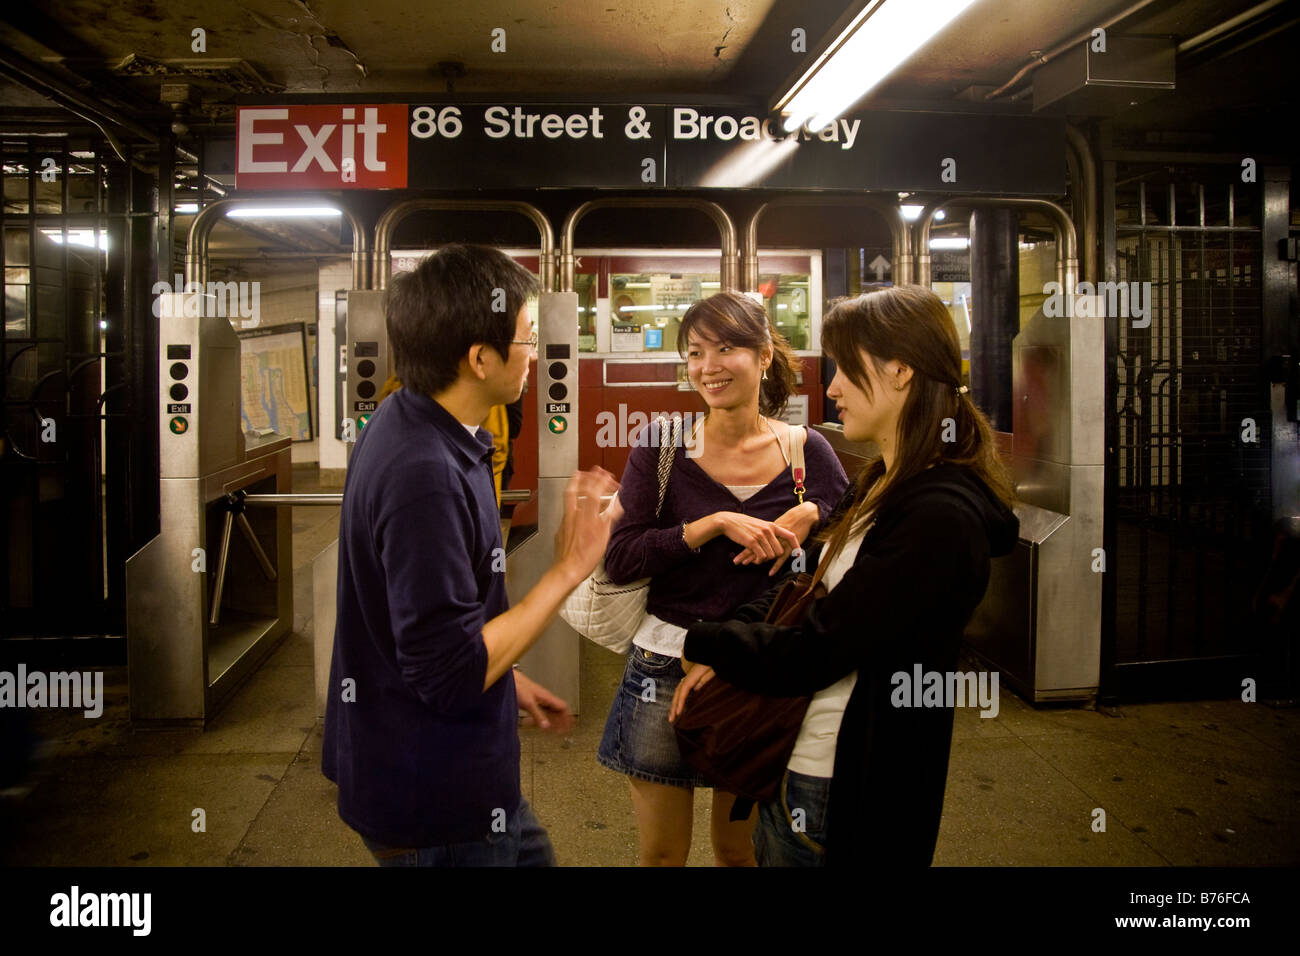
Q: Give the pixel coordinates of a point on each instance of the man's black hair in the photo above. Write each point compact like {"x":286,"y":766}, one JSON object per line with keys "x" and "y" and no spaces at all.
{"x":446,"y":304}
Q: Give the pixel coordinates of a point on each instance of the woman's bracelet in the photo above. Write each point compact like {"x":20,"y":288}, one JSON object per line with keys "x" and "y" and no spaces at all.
{"x":687,"y":543}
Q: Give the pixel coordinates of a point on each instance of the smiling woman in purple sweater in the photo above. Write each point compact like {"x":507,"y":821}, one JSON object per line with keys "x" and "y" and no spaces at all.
{"x":730,"y":519}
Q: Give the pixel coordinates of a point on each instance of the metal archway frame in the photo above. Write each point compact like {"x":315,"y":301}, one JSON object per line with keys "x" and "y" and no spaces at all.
{"x":893,"y":216}
{"x":196,"y":246}
{"x":729,"y":273}
{"x":393,"y":215}
{"x":1067,"y":246}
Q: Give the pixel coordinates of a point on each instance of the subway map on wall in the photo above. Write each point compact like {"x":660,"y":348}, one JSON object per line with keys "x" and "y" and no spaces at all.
{"x":273,"y":372}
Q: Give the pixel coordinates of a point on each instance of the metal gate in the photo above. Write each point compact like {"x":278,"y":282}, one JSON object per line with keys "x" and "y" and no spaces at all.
{"x":1188,"y":429}
{"x":67,"y":456}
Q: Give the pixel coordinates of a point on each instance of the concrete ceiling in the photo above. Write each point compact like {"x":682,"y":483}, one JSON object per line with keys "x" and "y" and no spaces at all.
{"x":553,"y":47}
{"x":122,"y":53}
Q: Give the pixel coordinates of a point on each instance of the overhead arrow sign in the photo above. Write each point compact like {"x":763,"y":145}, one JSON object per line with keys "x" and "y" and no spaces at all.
{"x":881,"y":265}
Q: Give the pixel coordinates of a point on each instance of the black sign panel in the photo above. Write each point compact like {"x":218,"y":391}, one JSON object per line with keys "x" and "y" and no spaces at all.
{"x":178,"y":408}
{"x":904,"y":151}
{"x":950,"y":265}
{"x":478,"y":143}
{"x":557,"y":408}
{"x":509,"y":145}
{"x":364,"y":406}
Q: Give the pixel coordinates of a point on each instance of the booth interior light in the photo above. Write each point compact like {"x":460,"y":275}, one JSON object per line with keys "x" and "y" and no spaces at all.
{"x":874,"y":44}
{"x":281,"y":212}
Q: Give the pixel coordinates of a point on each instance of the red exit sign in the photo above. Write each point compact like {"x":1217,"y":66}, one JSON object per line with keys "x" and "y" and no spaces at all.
{"x":351,"y":146}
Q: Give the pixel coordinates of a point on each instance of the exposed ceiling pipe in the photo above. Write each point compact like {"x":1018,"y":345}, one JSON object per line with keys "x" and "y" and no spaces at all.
{"x":1253,"y":13}
{"x":30,"y":76}
{"x":1068,"y":44}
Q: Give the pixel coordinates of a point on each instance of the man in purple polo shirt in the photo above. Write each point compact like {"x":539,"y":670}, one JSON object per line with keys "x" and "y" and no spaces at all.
{"x":421,"y":723}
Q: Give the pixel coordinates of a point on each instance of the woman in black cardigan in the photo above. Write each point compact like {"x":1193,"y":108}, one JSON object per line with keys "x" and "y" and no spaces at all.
{"x":914,"y":536}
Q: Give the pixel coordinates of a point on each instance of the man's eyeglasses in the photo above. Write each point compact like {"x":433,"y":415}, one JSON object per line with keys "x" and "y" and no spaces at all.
{"x":531,"y":342}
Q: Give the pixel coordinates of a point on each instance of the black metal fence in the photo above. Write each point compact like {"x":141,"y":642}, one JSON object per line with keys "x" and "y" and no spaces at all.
{"x":1188,"y":469}
{"x":67,"y":381}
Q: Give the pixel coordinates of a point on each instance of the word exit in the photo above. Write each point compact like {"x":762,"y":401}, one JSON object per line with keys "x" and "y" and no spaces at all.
{"x":321,"y":147}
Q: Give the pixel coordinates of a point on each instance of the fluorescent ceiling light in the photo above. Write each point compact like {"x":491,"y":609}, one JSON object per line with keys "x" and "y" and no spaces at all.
{"x":279,"y":212}
{"x":874,"y":44}
{"x":955,"y":242}
{"x":187,"y":207}
{"x":910,"y":212}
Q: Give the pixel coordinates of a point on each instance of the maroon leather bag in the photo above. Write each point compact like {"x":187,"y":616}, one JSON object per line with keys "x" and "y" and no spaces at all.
{"x":741,"y":741}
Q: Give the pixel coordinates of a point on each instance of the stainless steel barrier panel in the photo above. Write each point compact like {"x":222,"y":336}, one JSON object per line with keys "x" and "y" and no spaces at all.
{"x":206,"y":606}
{"x":1040,"y":622}
{"x":553,"y":660}
{"x":368,"y":360}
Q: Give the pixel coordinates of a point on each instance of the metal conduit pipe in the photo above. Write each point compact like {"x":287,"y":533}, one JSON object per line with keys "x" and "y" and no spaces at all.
{"x":31,"y":76}
{"x":893,"y":216}
{"x":196,"y":246}
{"x":397,"y":212}
{"x":1214,"y":32}
{"x":1062,"y":47}
{"x":1086,"y":188}
{"x":729,"y":273}
{"x":1067,"y":261}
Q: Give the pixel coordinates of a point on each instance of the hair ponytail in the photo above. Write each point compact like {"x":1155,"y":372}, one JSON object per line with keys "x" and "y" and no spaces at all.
{"x":782,"y":378}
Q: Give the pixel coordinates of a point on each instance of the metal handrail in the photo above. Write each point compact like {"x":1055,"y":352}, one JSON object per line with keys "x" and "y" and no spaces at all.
{"x":196,"y":246}
{"x":1067,"y":260}
{"x":726,"y":230}
{"x":279,"y":500}
{"x":397,"y":212}
{"x":893,"y":216}
{"x":510,"y":496}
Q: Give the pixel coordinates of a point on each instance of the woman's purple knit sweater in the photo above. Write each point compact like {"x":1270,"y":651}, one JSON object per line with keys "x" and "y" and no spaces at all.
{"x":686,"y":587}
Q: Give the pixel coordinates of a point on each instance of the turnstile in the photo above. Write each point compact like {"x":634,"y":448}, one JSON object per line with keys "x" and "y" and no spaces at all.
{"x":205,"y":605}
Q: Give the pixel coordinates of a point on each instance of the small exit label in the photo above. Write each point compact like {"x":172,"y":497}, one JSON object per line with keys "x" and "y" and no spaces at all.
{"x":364,"y":406}
{"x":178,"y":408}
{"x":557,"y":408}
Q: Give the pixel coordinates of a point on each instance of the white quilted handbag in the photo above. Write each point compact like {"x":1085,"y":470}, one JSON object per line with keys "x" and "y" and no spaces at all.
{"x":610,"y":613}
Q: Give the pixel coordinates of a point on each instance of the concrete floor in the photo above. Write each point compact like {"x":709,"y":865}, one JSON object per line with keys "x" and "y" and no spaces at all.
{"x":1183,"y":784}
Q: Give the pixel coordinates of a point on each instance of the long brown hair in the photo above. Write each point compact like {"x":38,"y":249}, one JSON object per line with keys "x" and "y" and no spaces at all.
{"x":910,"y":324}
{"x":738,"y":320}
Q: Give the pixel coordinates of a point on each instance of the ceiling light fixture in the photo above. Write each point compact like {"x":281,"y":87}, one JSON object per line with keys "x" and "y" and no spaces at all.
{"x":875,"y":42}
{"x":281,"y":212}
